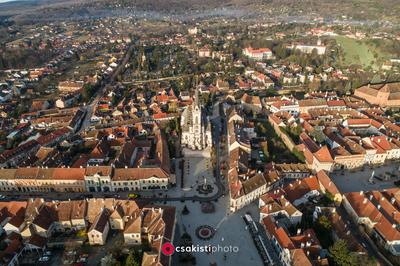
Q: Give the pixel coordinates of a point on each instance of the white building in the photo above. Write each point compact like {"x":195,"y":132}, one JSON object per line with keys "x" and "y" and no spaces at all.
{"x":308,"y":49}
{"x":98,"y":178}
{"x":258,"y":54}
{"x":196,"y":131}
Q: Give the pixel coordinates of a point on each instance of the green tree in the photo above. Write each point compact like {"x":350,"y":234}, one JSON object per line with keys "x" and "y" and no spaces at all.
{"x":340,"y":254}
{"x":261,"y":129}
{"x":88,"y":91}
{"x":280,"y":51}
{"x":318,"y":135}
{"x":132,"y":259}
{"x":323,"y":227}
{"x":376,"y":79}
{"x":324,"y":223}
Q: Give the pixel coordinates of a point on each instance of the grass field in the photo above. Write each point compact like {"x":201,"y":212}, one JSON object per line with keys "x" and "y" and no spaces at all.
{"x":360,"y":52}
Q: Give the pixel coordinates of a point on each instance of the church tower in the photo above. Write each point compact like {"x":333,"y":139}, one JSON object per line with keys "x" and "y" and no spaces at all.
{"x":196,"y":113}
{"x":196,"y":131}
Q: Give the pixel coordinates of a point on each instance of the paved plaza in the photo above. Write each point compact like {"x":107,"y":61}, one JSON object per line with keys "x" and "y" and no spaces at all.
{"x":230,"y":231}
{"x":350,"y":181}
{"x":197,"y":171}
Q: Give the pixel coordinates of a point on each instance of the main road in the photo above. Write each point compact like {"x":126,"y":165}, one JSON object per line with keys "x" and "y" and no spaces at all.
{"x":105,"y":83}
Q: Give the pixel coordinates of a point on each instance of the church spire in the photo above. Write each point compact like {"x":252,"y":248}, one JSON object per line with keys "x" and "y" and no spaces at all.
{"x":196,"y":97}
{"x":196,"y":94}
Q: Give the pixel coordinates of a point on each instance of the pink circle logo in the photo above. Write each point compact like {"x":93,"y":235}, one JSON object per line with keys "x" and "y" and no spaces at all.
{"x":168,"y":249}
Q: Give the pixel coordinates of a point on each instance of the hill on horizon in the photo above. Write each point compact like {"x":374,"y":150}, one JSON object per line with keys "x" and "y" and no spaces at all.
{"x":31,"y":10}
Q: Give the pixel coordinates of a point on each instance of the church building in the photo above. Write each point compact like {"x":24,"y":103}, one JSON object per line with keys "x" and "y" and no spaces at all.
{"x":196,"y":131}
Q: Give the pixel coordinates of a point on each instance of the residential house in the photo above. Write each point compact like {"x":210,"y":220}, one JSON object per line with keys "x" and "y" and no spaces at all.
{"x":301,"y":249}
{"x":78,"y":214}
{"x":327,"y":186}
{"x":133,"y":231}
{"x":98,"y":231}
{"x":44,"y":222}
{"x":302,"y":190}
{"x":279,"y":207}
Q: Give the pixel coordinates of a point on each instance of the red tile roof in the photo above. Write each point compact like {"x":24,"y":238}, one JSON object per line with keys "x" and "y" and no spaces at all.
{"x":362,"y":206}
{"x":336,"y":103}
{"x":327,"y":183}
{"x":69,"y":173}
{"x":299,"y":188}
{"x":387,"y":230}
{"x":279,"y":233}
{"x":299,"y":258}
{"x":323,"y":155}
{"x":381,"y":142}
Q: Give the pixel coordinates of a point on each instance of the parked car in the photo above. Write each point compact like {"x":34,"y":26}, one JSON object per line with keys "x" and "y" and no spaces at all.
{"x":44,"y":259}
{"x":133,"y":196}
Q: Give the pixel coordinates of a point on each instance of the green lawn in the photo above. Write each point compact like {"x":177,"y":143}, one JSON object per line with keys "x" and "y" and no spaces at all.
{"x":277,"y":150}
{"x":360,"y":52}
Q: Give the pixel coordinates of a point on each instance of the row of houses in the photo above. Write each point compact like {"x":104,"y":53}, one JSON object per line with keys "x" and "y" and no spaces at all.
{"x":89,"y":179}
{"x":304,"y":247}
{"x":369,"y":151}
{"x":337,"y":136}
{"x":35,"y":222}
{"x":27,"y":149}
{"x":295,"y":107}
{"x":378,"y":212}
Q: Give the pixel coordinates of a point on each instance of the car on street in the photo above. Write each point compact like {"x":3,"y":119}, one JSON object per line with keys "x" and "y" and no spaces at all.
{"x":133,"y":196}
{"x":44,"y":259}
